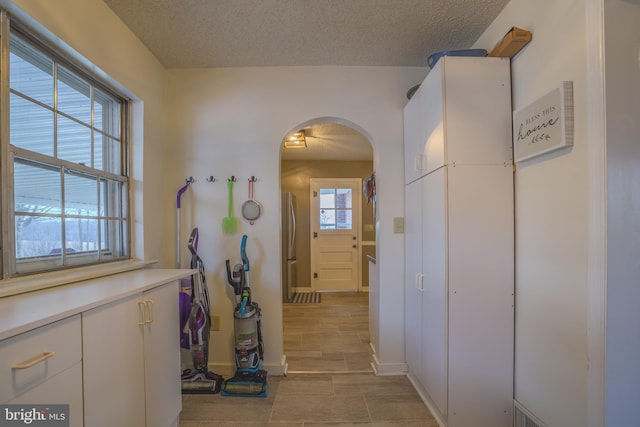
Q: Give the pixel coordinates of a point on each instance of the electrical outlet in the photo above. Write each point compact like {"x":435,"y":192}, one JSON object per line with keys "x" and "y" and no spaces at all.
{"x":215,"y":323}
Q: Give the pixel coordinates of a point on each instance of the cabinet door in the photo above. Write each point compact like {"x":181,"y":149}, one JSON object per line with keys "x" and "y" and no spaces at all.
{"x":113,"y":364}
{"x":480,"y":296}
{"x":432,"y":134}
{"x":413,"y":272}
{"x":434,"y":300}
{"x":412,"y":117}
{"x":477,"y":110}
{"x":162,"y":355}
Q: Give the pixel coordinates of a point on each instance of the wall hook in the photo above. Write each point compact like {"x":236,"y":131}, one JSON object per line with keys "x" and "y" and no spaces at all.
{"x":253,"y":179}
{"x":233,"y":179}
{"x":211,"y":179}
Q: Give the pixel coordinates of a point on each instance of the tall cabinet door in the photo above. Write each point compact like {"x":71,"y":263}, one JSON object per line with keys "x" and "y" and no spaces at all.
{"x":434,"y":300}
{"x":481,"y":314}
{"x":113,"y":364}
{"x":412,"y":138}
{"x":162,"y":348}
{"x":413,"y":279}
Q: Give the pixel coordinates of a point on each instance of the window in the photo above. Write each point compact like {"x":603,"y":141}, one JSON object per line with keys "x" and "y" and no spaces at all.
{"x":336,"y":209}
{"x":64,"y":160}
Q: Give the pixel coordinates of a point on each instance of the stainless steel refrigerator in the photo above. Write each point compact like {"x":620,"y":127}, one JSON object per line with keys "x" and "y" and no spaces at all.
{"x":289,"y":261}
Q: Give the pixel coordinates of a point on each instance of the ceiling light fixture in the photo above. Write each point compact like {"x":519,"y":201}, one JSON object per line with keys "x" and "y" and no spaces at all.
{"x":296,"y":140}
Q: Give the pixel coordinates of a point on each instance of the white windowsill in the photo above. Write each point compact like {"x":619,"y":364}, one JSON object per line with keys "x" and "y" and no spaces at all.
{"x":36,"y":282}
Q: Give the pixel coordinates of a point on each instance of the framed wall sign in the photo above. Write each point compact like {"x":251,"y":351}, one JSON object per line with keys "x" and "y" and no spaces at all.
{"x":544,"y":125}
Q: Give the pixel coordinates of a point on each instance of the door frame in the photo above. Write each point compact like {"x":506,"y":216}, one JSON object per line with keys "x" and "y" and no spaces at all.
{"x":356,"y":184}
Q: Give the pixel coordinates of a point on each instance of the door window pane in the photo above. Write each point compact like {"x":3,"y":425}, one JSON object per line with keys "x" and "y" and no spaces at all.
{"x":336,"y":209}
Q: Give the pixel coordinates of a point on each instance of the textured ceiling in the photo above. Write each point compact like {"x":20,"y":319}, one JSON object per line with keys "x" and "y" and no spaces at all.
{"x":231,"y":33}
{"x":240,"y":33}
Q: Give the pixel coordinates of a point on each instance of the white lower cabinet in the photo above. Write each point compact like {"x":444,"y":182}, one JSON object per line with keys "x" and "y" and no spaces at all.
{"x":131,"y":364}
{"x":44,"y":366}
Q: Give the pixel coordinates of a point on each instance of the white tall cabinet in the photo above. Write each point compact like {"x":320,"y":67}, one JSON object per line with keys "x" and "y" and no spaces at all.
{"x":459,"y":277}
{"x":131,"y":350}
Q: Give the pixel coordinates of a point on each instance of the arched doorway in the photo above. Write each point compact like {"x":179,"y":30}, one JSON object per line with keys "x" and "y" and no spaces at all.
{"x":334,"y":151}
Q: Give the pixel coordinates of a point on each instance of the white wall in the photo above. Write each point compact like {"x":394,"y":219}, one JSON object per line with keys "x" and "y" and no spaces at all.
{"x":92,"y":30}
{"x":622,"y":48}
{"x":551,"y":212}
{"x":231,"y":121}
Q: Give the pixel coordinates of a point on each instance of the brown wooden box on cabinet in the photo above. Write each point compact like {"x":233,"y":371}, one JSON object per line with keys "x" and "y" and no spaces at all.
{"x":511,"y":43}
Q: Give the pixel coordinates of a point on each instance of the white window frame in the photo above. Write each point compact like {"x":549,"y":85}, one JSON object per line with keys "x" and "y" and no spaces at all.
{"x":9,"y":265}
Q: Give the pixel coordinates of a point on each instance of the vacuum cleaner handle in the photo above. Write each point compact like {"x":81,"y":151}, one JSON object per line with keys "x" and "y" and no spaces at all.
{"x":243,"y":253}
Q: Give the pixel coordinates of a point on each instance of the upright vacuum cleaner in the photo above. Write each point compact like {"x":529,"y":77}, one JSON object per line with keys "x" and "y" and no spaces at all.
{"x":195,"y":320}
{"x":250,"y":379}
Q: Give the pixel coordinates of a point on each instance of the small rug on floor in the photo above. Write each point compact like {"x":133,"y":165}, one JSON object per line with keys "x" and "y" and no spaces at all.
{"x":306,"y":298}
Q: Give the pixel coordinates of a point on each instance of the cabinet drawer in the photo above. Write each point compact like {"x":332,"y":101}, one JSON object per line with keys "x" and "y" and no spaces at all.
{"x":29,"y":359}
{"x":64,"y":388}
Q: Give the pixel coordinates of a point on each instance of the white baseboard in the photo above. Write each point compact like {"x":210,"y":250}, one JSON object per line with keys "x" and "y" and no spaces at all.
{"x":427,"y":401}
{"x":381,"y":369}
{"x":229,"y":369}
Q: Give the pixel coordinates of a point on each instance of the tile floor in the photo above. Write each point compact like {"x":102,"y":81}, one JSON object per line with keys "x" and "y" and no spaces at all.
{"x":330,"y":380}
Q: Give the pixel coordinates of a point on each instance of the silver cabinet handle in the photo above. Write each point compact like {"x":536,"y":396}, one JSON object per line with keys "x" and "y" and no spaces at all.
{"x":29,"y":363}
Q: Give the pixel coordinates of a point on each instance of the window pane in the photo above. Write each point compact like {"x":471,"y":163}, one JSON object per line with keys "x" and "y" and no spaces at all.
{"x":74,"y":141}
{"x":344,"y":219}
{"x":81,"y":234}
{"x":327,"y":198}
{"x":31,"y":73}
{"x":112,"y":195}
{"x":106,"y":153}
{"x":31,"y":126}
{"x":74,"y":95}
{"x":36,"y":188}
{"x":106,"y":115}
{"x":343,"y":198}
{"x":327,"y":219}
{"x":114,"y":237}
{"x":80,"y":194}
{"x":37,"y":236}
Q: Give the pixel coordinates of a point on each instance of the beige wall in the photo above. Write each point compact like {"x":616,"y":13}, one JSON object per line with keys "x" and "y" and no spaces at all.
{"x":295,"y":176}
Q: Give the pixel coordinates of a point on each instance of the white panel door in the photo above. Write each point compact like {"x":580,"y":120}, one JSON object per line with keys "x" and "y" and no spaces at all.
{"x":413,"y":278}
{"x":335,"y":229}
{"x":434,"y":299}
